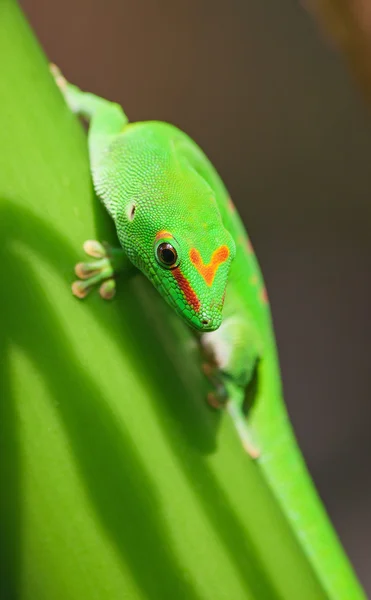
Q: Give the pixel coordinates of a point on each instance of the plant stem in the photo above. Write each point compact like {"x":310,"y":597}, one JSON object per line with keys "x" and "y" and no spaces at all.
{"x":120,"y":482}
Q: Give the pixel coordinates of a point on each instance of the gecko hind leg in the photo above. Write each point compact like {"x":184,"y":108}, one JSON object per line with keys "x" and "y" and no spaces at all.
{"x":234,"y":408}
{"x":232,"y":354}
{"x":230,"y":396}
{"x":217,"y":398}
{"x":99,"y":272}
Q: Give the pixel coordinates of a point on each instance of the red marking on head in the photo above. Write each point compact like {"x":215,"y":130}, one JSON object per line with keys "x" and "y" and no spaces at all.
{"x":208,"y":272}
{"x":249,"y":247}
{"x":230,"y":204}
{"x":264,"y":295}
{"x":187,"y":290}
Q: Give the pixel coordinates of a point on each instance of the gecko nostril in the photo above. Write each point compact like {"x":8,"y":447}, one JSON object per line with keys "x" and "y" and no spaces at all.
{"x":205,"y":321}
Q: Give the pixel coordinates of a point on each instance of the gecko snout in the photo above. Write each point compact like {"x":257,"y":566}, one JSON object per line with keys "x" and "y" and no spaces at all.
{"x":209,"y":323}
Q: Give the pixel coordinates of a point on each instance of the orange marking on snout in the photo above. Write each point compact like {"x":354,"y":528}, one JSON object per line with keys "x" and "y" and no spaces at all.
{"x":208,"y":272}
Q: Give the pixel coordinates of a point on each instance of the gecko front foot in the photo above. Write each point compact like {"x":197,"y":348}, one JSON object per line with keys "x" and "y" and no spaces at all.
{"x":98,"y":272}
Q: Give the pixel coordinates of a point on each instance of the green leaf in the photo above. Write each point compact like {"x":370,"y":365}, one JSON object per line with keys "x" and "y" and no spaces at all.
{"x":116,"y":480}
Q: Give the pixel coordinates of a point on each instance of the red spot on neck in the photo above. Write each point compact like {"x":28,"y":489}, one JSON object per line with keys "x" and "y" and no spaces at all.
{"x":264,"y":295}
{"x":189,"y":293}
{"x":249,"y":247}
{"x":230,"y":204}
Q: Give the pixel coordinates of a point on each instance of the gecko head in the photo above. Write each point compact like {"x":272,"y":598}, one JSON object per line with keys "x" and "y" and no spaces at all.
{"x":171,"y":227}
{"x":193,"y":272}
{"x":188,"y":264}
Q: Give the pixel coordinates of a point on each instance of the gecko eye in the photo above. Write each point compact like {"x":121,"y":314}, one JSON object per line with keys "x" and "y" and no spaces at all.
{"x":167,"y":255}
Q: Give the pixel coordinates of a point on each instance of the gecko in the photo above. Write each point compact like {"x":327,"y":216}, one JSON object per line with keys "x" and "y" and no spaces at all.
{"x":176,"y":223}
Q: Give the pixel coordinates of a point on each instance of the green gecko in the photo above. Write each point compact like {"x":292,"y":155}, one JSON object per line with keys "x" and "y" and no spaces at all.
{"x":177,"y":224}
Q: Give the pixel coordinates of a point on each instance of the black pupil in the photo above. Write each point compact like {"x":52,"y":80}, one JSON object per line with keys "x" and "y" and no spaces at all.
{"x":167,"y":254}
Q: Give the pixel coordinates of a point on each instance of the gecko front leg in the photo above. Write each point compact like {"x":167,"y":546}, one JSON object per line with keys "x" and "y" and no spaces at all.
{"x":101,"y":272}
{"x":231,"y":354}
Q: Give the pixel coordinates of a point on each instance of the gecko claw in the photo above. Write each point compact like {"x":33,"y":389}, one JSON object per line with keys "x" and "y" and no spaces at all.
{"x":251,"y":450}
{"x":207,"y":369}
{"x":95,"y":249}
{"x":214,"y":402}
{"x":80,"y":289}
{"x":108,"y":289}
{"x":85,"y":270}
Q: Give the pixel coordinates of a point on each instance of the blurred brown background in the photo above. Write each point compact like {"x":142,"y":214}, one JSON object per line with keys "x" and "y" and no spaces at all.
{"x":275,"y":109}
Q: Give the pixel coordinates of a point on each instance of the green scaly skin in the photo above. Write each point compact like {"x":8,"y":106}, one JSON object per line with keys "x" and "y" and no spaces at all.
{"x":160,"y":188}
